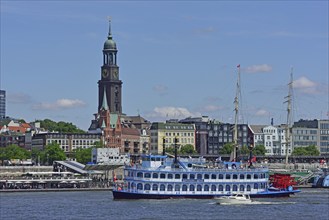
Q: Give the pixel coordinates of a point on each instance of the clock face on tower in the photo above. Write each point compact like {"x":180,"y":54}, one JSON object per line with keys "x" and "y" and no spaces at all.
{"x":105,"y":73}
{"x":115,"y":74}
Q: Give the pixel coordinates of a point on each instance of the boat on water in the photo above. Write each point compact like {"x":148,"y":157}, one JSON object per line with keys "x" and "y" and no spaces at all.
{"x":235,"y":199}
{"x":161,"y":177}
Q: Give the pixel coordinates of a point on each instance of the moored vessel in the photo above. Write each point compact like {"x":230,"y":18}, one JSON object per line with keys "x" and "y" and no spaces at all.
{"x":160,"y":177}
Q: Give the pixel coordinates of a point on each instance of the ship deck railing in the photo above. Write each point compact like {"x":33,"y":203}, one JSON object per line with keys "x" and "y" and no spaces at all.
{"x":169,"y":169}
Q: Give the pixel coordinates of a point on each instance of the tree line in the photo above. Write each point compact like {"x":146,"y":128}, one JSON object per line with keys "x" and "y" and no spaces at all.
{"x":53,"y":152}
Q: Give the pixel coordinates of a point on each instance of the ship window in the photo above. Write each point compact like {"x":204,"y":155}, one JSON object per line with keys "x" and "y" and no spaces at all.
{"x":206,"y":187}
{"x":235,"y":188}
{"x":213,"y":176}
{"x":235,"y":176}
{"x":162,"y":176}
{"x":147,"y":175}
{"x":169,"y":188}
{"x":256,"y":186}
{"x":133,"y":185}
{"x":184,"y":176}
{"x":155,"y":175}
{"x":199,"y":176}
{"x":198,"y":188}
{"x":241,"y":176}
{"x":192,"y":176}
{"x":228,"y":176}
{"x":147,"y":187}
{"x":139,"y":186}
{"x":184,"y":188}
{"x":255,"y":176}
{"x":213,"y":187}
{"x":227,"y":188}
{"x":220,"y":188}
{"x":248,"y":188}
{"x":155,"y":187}
{"x":248,"y":176}
{"x":177,"y":176}
{"x":177,"y":187}
{"x":170,"y":176}
{"x":206,"y":176}
{"x":220,"y":176}
{"x":241,"y":188}
{"x":192,"y":188}
{"x":162,"y":187}
{"x":140,"y":174}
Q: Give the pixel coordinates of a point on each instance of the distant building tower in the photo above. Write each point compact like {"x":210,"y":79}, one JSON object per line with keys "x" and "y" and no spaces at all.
{"x":2,"y":103}
{"x":110,"y":77}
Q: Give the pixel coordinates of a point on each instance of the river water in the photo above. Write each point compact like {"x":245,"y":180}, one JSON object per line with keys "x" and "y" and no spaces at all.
{"x":309,"y":204}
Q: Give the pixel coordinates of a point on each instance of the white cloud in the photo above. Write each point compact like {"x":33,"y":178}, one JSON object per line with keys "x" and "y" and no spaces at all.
{"x":60,"y":104}
{"x":258,"y":68}
{"x":168,"y":112}
{"x":305,"y":85}
{"x":262,"y":112}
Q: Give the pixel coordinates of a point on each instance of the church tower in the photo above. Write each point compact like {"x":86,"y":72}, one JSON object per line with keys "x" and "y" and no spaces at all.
{"x":110,"y":84}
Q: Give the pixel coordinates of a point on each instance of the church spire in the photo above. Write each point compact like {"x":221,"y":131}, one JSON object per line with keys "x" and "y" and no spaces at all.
{"x":110,"y":33}
{"x":105,"y":106}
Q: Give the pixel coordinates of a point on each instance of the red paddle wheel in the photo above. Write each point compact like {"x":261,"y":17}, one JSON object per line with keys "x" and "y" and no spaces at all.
{"x":282,"y":181}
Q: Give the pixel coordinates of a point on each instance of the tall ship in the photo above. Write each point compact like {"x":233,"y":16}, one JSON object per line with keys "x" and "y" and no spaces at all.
{"x":163,"y":177}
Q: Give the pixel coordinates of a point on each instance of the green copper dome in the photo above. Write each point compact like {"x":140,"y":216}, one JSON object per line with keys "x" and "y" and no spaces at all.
{"x":110,"y":44}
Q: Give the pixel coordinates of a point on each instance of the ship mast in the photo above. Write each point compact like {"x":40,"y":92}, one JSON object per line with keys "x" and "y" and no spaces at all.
{"x":289,"y":100}
{"x":236,"y":109}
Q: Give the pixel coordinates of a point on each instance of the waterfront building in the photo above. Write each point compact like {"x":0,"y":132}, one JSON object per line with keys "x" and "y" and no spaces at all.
{"x":109,"y":156}
{"x":131,"y":140}
{"x":13,"y":125}
{"x":2,"y":104}
{"x":68,"y":142}
{"x":275,"y":140}
{"x":212,"y":135}
{"x":311,"y":132}
{"x":163,"y":134}
{"x":201,"y":132}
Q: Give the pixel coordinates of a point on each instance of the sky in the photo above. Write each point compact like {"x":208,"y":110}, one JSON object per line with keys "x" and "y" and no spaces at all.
{"x":177,"y":59}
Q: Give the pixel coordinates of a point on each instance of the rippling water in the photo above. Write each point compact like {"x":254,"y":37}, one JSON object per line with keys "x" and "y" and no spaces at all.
{"x":309,"y":204}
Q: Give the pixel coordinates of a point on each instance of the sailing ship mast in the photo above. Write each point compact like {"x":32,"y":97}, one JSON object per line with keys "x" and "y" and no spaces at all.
{"x":236,"y":109}
{"x":289,"y":99}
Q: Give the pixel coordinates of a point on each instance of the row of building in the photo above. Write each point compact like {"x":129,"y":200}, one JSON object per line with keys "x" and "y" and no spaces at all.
{"x":135,"y":135}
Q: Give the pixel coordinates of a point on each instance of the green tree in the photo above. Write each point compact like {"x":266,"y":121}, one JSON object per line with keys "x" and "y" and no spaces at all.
{"x":259,"y":150}
{"x":187,"y":149}
{"x":170,"y":150}
{"x":306,"y":151}
{"x":98,"y":144}
{"x":227,"y":149}
{"x":52,"y":153}
{"x":244,"y":151}
{"x":36,"y":155}
{"x":61,"y":126}
{"x":299,"y":151}
{"x":83,"y":155}
{"x":13,"y":151}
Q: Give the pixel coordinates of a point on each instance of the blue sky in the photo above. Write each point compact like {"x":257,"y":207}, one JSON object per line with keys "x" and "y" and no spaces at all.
{"x":176,"y":58}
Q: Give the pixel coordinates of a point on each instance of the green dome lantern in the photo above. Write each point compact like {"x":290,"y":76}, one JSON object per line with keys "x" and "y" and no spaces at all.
{"x":109,"y":43}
